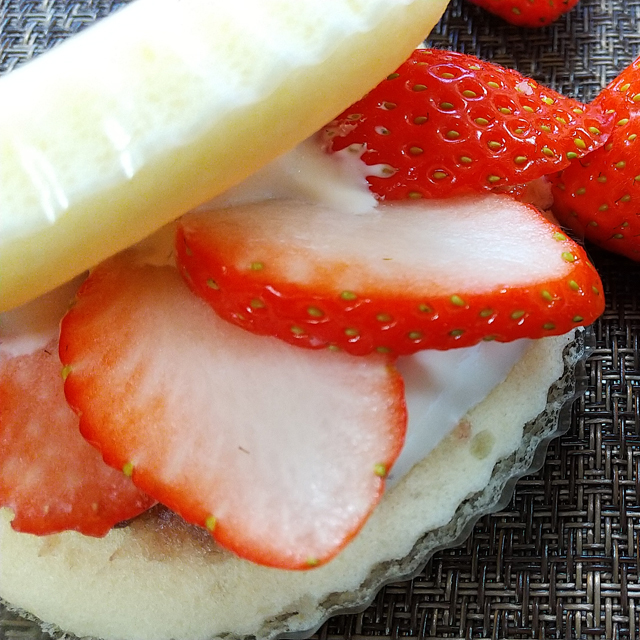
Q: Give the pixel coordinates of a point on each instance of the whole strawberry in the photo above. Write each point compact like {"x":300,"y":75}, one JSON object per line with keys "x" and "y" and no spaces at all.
{"x":599,"y":196}
{"x":527,"y":13}
{"x":446,"y":124}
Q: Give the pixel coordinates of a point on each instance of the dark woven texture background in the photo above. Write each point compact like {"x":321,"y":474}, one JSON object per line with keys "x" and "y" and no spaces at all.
{"x":561,"y":561}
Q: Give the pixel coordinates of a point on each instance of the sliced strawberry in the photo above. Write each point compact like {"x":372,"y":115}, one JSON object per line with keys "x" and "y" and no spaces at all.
{"x":527,"y":13}
{"x":49,"y":475}
{"x":599,"y":197}
{"x":280,"y":452}
{"x":447,"y":124}
{"x":407,"y":276}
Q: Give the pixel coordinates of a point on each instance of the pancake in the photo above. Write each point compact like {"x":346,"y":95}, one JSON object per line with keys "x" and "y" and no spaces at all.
{"x":159,"y":578}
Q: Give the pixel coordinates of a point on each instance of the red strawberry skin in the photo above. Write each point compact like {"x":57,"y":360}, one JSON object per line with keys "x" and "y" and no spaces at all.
{"x":281,"y":453}
{"x":50,"y":476}
{"x":527,"y":13}
{"x":273,"y":270}
{"x":447,"y":124}
{"x":598,"y":197}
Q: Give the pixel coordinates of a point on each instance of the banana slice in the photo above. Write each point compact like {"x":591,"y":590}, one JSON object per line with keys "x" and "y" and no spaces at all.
{"x":167,"y":103}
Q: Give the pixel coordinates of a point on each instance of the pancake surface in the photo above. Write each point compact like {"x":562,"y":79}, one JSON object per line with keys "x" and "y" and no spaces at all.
{"x":159,"y":578}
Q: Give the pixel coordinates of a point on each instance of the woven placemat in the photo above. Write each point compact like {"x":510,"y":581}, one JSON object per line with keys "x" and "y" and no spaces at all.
{"x":561,"y":561}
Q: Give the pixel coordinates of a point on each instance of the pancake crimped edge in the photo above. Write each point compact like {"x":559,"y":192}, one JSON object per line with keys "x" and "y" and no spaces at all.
{"x":159,"y":578}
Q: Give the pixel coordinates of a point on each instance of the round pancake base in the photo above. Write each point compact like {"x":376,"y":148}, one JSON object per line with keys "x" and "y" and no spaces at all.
{"x":160,"y":579}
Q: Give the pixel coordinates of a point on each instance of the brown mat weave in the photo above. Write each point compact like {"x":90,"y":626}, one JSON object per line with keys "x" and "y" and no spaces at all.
{"x":561,"y":561}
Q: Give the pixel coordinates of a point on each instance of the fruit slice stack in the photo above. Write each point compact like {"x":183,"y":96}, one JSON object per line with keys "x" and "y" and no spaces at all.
{"x":282,"y":452}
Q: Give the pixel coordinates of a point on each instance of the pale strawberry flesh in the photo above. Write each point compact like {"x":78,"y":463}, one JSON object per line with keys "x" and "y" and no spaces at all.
{"x":406,"y":277}
{"x":280,"y":452}
{"x":50,"y":476}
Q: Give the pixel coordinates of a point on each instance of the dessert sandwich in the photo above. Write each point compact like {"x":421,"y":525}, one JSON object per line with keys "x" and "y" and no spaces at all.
{"x":322,"y":372}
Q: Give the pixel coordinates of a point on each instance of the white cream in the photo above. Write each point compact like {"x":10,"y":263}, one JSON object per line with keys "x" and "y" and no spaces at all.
{"x":307,"y":174}
{"x":442,"y":386}
{"x":32,"y":326}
